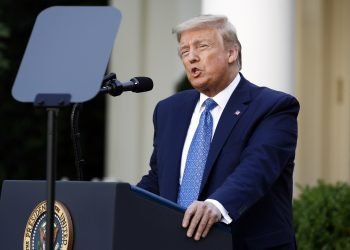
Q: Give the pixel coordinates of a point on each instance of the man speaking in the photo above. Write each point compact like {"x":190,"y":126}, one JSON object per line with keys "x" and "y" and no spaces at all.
{"x":225,"y":150}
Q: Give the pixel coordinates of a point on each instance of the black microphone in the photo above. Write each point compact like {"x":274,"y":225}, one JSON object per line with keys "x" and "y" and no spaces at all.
{"x":136,"y":84}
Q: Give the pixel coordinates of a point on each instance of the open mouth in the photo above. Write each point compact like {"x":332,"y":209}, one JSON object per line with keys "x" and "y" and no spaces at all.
{"x":195,"y":72}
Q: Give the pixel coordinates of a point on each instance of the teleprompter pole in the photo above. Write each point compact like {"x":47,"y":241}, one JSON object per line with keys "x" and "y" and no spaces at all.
{"x":52,"y":114}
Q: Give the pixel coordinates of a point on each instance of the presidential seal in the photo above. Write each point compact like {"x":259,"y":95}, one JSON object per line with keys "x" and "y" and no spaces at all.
{"x":35,"y":231}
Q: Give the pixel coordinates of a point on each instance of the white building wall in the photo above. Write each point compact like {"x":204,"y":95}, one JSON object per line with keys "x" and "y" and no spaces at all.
{"x":144,"y":46}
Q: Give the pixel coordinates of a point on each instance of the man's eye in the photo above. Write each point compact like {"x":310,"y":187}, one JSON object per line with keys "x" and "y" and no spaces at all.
{"x":184,"y":53}
{"x":203,"y":45}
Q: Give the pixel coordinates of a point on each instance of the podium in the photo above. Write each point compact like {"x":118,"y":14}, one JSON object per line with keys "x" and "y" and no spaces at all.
{"x":104,"y":215}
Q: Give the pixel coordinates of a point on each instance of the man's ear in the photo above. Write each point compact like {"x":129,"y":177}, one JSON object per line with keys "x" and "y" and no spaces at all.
{"x":232,"y":54}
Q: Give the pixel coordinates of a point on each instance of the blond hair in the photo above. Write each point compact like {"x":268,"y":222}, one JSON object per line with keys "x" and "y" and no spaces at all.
{"x":218,"y":22}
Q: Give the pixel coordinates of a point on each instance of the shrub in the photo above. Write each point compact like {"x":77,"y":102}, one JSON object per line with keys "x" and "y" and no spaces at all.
{"x":322,"y":217}
{"x":4,"y":34}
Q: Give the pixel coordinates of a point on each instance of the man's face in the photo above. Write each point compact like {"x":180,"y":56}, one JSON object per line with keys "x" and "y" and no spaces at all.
{"x":208,"y":65}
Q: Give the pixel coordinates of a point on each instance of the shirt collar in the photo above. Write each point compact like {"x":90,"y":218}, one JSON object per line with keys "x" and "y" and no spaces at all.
{"x":222,"y":97}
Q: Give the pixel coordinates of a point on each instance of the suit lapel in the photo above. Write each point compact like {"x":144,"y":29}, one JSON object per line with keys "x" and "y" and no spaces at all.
{"x":234,"y":109}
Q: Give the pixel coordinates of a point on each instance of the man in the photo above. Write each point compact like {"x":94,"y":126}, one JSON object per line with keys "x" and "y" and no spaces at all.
{"x":245,"y":179}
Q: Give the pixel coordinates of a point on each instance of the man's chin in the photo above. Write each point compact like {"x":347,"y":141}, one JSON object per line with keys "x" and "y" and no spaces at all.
{"x":198,"y":84}
{"x":203,"y":89}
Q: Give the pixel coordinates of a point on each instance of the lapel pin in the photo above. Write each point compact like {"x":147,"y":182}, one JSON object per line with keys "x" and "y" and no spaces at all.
{"x":237,"y":112}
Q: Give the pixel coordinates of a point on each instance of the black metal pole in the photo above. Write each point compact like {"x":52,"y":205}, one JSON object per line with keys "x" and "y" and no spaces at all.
{"x":79,"y":161}
{"x":51,"y":173}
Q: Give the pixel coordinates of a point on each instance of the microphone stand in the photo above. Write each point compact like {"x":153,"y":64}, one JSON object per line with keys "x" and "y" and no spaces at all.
{"x":79,"y":161}
{"x":75,"y":131}
{"x":112,"y":86}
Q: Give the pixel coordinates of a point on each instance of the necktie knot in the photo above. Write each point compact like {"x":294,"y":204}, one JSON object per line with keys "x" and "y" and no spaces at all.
{"x":209,"y":104}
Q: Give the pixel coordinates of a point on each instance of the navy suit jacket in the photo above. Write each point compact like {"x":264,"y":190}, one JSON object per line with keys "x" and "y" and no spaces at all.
{"x":250,"y":163}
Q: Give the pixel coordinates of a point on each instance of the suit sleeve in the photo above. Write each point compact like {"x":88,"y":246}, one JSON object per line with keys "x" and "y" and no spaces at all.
{"x":266,"y":159}
{"x":150,"y":181}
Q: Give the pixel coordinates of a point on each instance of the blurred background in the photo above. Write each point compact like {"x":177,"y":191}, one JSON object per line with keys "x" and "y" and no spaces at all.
{"x":300,"y":47}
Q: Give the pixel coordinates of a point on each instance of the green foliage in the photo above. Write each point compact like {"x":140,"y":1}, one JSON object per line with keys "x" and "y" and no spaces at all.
{"x":4,"y":34}
{"x":322,"y":217}
{"x":183,"y":84}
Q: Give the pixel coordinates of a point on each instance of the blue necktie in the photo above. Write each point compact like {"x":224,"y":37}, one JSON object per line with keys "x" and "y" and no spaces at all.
{"x":197,"y":157}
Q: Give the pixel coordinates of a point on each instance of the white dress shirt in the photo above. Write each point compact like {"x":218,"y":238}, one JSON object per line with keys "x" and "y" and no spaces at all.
{"x":221,"y":99}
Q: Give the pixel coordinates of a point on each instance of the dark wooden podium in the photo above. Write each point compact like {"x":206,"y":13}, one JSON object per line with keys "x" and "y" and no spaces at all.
{"x":105,"y":216}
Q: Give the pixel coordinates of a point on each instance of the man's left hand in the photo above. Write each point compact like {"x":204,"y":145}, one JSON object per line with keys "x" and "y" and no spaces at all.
{"x":202,"y":216}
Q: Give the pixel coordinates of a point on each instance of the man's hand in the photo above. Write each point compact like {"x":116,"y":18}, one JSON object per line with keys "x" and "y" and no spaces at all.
{"x":202,"y":216}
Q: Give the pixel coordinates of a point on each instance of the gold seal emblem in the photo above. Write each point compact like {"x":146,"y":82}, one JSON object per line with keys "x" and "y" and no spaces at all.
{"x":35,"y":231}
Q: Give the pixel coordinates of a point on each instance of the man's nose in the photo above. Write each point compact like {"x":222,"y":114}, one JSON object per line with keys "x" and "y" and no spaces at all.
{"x":193,"y":56}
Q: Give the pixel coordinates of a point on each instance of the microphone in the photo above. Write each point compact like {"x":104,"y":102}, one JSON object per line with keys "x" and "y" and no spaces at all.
{"x":109,"y":77}
{"x":136,"y":84}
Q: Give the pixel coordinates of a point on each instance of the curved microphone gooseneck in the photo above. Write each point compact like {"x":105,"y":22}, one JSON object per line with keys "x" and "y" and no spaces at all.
{"x":113,"y":87}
